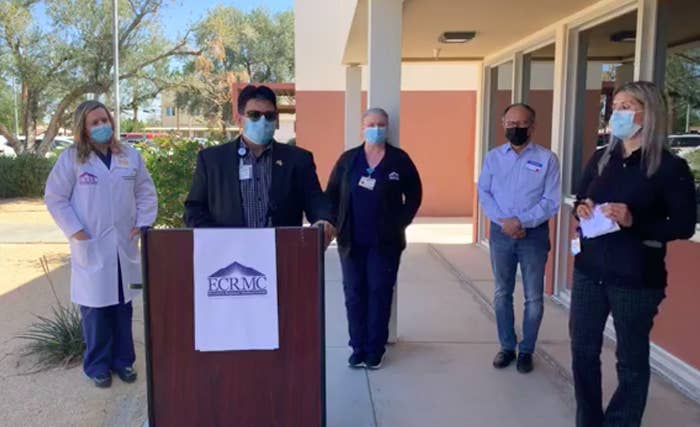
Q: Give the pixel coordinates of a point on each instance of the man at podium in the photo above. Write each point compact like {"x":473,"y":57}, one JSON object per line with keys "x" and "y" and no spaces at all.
{"x":254,"y":181}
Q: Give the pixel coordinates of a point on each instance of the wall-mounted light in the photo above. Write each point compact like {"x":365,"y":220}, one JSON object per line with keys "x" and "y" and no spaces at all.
{"x":625,"y":36}
{"x":456,"y":36}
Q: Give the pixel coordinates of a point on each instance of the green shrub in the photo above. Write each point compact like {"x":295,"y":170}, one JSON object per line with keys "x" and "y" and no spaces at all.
{"x":693,"y":159}
{"x":171,"y":163}
{"x":24,"y":175}
{"x":129,"y":125}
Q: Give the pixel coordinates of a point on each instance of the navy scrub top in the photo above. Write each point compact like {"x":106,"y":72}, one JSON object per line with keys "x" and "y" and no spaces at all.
{"x":365,"y":203}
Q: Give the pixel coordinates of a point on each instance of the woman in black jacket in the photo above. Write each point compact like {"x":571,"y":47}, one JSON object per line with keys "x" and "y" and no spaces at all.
{"x":375,"y":191}
{"x":637,"y":183}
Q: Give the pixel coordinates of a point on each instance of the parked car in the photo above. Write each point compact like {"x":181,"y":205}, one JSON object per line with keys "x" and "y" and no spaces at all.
{"x":57,"y":146}
{"x":6,"y":150}
{"x":684,"y":144}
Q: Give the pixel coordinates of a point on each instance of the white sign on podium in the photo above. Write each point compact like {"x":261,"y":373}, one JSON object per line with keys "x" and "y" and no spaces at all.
{"x":235,"y":289}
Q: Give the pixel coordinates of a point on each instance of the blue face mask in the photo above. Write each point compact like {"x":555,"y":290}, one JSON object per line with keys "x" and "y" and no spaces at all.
{"x":259,"y":132}
{"x":101,"y":134}
{"x":375,"y":135}
{"x":622,"y":124}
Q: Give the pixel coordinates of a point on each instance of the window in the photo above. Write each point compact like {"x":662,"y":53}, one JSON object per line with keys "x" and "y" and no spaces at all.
{"x":538,"y":91}
{"x":170,"y":111}
{"x":682,"y":82}
{"x":607,"y":53}
{"x":502,"y":92}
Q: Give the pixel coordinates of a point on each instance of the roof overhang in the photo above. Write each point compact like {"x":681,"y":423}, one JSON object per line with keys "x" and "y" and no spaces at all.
{"x":499,"y":24}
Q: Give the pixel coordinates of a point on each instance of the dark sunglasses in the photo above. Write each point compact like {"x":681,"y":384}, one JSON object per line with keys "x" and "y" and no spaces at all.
{"x":255,"y":115}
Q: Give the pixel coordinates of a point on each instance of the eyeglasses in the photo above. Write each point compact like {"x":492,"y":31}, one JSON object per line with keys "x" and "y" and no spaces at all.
{"x":255,"y":115}
{"x":512,"y":124}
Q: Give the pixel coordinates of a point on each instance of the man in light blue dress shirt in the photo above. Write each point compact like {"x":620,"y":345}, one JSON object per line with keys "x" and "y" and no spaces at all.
{"x":519,"y":189}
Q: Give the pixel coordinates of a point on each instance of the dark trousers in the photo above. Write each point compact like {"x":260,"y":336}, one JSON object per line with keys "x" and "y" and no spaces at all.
{"x":108,"y":338}
{"x":369,"y":276}
{"x":633,"y":312}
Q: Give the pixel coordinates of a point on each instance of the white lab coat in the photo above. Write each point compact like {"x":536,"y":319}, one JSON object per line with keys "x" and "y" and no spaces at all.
{"x":106,"y":204}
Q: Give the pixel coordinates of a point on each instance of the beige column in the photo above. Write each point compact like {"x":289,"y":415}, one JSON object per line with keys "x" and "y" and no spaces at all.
{"x":384,"y":83}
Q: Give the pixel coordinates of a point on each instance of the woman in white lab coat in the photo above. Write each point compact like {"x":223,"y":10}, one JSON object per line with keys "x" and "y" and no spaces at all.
{"x":100,"y":194}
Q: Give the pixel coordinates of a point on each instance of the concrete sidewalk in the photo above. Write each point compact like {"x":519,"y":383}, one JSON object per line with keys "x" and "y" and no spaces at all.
{"x":439,"y":373}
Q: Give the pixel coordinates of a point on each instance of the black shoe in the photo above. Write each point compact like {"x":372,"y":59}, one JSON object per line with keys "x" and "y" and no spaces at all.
{"x":102,"y":380}
{"x":503,"y":359}
{"x":128,"y":374}
{"x":357,"y":359}
{"x":374,"y":361}
{"x":525,"y":363}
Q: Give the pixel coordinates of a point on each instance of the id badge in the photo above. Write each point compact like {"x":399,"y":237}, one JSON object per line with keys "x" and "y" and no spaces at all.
{"x":245,"y":172}
{"x":575,"y":246}
{"x":368,"y":183}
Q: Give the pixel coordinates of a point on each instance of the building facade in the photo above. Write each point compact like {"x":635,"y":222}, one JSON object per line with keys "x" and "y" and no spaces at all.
{"x":445,"y":94}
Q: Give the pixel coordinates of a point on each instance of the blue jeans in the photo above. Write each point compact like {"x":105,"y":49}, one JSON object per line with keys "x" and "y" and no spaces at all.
{"x":633,"y":311}
{"x":530,"y":253}
{"x":369,"y":276}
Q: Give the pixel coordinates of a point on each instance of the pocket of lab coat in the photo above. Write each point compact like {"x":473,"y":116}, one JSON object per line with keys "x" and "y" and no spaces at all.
{"x":85,"y":254}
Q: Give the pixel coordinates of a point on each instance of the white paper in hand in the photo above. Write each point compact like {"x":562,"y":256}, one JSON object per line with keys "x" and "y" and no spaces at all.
{"x":598,"y":224}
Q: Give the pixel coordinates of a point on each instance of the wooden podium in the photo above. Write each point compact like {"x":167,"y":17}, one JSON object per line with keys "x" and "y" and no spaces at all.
{"x":280,"y":388}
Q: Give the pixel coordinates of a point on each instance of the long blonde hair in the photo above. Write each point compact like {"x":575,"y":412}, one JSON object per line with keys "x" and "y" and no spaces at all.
{"x":81,"y":135}
{"x":654,"y":132}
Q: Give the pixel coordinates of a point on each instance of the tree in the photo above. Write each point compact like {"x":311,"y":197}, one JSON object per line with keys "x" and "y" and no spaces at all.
{"x":683,"y":87}
{"x":71,"y":57}
{"x":236,"y":47}
{"x":143,"y":89}
{"x":7,"y":112}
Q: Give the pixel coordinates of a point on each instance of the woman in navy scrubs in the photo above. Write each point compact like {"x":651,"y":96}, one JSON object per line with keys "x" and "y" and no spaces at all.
{"x":375,"y":190}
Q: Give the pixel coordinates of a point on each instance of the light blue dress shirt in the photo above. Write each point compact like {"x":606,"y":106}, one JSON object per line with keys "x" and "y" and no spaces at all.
{"x":524,"y":186}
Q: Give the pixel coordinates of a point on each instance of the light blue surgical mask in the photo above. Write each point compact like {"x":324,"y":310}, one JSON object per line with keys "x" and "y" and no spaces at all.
{"x":259,"y":132}
{"x":101,"y":134}
{"x":622,"y":124}
{"x":375,"y":135}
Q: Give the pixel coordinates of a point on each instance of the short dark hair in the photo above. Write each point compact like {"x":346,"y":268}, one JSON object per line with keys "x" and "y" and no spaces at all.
{"x":531,"y":110}
{"x":255,"y":92}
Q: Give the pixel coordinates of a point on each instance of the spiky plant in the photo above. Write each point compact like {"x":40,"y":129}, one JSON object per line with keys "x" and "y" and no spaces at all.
{"x":58,"y":339}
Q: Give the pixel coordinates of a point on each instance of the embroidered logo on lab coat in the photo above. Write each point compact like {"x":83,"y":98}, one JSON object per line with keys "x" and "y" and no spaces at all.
{"x":86,"y":178}
{"x":394,"y":176}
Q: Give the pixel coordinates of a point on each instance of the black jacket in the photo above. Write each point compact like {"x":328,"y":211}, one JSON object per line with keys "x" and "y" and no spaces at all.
{"x":215,"y":197}
{"x":400,"y":199}
{"x":662,"y":207}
